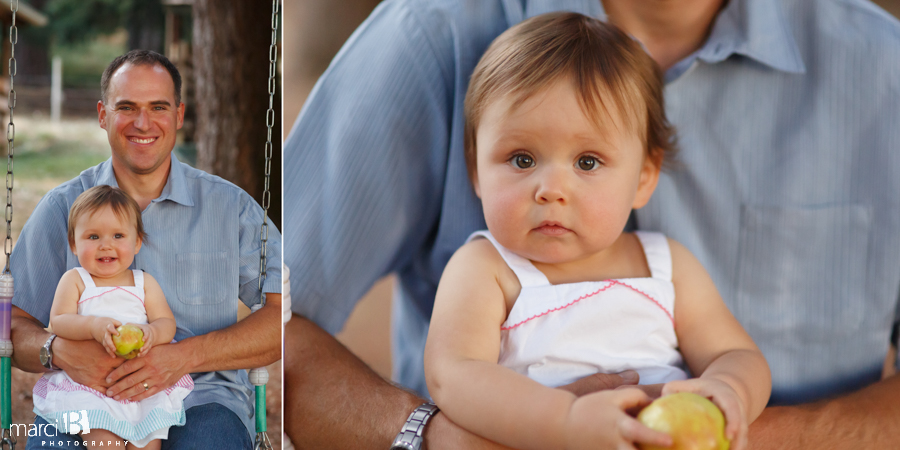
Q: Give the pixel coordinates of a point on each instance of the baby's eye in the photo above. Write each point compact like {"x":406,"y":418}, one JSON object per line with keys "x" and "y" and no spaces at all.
{"x":119,"y":235}
{"x":93,"y":237}
{"x":588,"y":163}
{"x":523,"y":161}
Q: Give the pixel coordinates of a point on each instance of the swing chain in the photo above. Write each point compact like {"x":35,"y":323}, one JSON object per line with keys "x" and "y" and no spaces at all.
{"x":262,"y":442}
{"x":270,"y":122}
{"x":11,"y":131}
{"x":8,"y":440}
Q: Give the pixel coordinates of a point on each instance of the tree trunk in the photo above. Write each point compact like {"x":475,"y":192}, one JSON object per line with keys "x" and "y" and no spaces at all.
{"x":145,"y":23}
{"x":231,"y":70}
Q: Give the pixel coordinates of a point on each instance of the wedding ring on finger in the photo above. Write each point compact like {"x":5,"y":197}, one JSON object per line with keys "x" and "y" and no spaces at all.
{"x":146,"y":387}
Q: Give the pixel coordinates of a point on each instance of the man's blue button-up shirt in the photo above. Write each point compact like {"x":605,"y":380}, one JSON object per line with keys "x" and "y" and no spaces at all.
{"x":202,"y":246}
{"x":788,"y":189}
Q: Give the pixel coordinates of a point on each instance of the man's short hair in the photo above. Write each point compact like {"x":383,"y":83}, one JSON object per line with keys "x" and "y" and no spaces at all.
{"x":138,"y":58}
{"x":102,"y":195}
{"x":608,"y":69}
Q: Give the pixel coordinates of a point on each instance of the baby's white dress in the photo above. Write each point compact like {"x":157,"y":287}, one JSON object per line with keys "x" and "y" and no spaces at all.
{"x":55,"y":394}
{"x":557,"y":334}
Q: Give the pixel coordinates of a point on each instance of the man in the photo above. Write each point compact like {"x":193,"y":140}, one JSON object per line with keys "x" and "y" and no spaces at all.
{"x":203,"y":247}
{"x":786,"y":192}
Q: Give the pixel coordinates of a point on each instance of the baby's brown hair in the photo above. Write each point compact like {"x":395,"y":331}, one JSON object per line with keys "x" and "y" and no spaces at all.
{"x":604,"y":64}
{"x":97,"y":197}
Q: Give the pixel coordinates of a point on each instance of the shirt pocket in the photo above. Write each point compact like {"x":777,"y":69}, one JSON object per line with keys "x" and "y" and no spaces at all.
{"x":201,"y":277}
{"x":802,"y":271}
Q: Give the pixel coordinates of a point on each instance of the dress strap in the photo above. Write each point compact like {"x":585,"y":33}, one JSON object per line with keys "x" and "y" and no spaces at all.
{"x":659,"y":256}
{"x":138,"y":278}
{"x":86,"y":277}
{"x":529,"y":276}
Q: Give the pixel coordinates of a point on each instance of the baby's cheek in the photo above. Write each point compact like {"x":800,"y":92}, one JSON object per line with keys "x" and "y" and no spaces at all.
{"x":503,"y":209}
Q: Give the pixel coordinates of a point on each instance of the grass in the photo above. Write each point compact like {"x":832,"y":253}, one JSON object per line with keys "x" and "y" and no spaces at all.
{"x":59,"y":151}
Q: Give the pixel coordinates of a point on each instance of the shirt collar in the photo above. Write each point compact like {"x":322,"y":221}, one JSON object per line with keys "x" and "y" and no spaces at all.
{"x":756,"y":29}
{"x":175,"y":189}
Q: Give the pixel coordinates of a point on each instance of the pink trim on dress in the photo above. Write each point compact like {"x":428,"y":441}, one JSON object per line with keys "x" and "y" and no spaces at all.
{"x":611,"y":284}
{"x":113,"y":289}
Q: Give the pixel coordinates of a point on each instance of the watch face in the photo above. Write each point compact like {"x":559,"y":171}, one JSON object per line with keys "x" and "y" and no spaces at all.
{"x":402,"y":446}
{"x":45,"y":357}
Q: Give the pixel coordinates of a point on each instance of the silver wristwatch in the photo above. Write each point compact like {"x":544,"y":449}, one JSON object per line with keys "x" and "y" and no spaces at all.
{"x":47,"y":354}
{"x":410,"y":436}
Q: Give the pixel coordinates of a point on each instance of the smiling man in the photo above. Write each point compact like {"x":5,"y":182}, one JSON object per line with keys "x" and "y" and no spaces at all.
{"x":203,"y":247}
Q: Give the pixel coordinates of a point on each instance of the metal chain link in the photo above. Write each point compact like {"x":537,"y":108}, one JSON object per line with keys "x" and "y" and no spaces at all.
{"x":11,"y":131}
{"x":270,"y":122}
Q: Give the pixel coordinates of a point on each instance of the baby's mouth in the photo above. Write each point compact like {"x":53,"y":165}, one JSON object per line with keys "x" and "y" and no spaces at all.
{"x":551,"y":228}
{"x":106,"y":259}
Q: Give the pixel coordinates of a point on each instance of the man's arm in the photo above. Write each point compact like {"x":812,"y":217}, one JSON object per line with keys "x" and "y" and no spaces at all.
{"x":326,"y":388}
{"x":864,"y":419}
{"x":250,"y":343}
{"x":85,"y":361}
{"x":28,"y":337}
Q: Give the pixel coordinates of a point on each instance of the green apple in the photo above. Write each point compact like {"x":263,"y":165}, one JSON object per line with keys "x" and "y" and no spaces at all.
{"x":129,"y":341}
{"x":693,"y":422}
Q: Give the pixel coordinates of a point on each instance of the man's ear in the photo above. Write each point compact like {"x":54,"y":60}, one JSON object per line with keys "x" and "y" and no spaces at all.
{"x":647,"y":183}
{"x":101,"y":114}
{"x":180,"y":112}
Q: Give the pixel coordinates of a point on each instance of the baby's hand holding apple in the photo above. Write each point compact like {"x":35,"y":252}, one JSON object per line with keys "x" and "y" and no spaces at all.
{"x":148,"y":338}
{"x":102,"y":330}
{"x":599,"y":420}
{"x":725,"y":398}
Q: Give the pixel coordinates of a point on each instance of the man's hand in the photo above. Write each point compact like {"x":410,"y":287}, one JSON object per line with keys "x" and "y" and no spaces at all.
{"x":160,"y":369}
{"x":602,"y":381}
{"x":86,"y":362}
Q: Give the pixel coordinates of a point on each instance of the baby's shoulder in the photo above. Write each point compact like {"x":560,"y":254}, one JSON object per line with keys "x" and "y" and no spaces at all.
{"x":72,"y":278}
{"x":478,"y":250}
{"x":479,"y":258}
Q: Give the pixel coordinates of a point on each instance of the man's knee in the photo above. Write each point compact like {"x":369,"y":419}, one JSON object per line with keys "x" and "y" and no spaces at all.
{"x":209,"y":426}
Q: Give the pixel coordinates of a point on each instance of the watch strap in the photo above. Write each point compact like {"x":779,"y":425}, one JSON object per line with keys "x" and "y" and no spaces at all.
{"x":48,"y":348}
{"x":410,"y":436}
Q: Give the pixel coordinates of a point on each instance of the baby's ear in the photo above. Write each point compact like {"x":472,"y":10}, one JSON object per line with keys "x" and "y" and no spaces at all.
{"x":647,"y":183}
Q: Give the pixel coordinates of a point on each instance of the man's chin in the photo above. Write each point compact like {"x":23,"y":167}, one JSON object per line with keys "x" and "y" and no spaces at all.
{"x":142,"y":167}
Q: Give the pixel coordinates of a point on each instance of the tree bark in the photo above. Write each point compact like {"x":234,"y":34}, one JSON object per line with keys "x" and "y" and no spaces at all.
{"x":231,"y":41}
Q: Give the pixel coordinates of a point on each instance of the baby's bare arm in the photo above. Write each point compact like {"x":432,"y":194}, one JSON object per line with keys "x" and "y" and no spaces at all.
{"x":715,"y":346}
{"x":461,"y":360}
{"x":159,"y":315}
